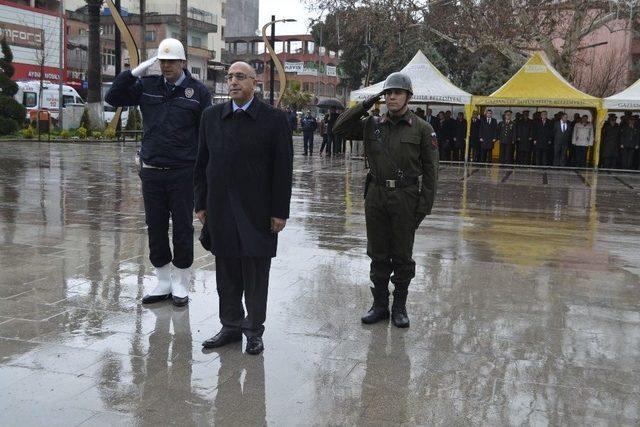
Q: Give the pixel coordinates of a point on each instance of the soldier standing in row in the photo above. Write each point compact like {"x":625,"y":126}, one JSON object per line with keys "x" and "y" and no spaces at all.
{"x":507,"y":137}
{"x":610,"y":138}
{"x":400,"y":190}
{"x":629,"y":141}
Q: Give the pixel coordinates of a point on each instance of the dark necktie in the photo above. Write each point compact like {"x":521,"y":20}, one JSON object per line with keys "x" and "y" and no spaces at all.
{"x":170,"y":87}
{"x":239,"y":113}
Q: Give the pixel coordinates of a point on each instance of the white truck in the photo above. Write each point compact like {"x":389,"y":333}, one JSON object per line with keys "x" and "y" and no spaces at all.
{"x":29,"y":96}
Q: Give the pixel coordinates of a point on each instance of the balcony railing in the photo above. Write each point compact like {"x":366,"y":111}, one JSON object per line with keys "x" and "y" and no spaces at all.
{"x":165,"y":9}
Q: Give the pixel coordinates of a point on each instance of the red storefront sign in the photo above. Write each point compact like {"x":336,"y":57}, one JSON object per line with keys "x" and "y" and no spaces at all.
{"x":32,"y":72}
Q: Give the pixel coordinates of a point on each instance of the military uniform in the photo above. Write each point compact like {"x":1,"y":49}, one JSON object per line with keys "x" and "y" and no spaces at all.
{"x":400,"y":190}
{"x":507,"y":137}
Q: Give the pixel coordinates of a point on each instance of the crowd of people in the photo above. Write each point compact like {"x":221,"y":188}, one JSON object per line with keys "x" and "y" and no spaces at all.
{"x":537,"y":140}
{"x":522,"y":138}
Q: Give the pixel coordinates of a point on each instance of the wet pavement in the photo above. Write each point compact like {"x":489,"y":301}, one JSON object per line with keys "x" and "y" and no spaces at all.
{"x":525,"y":308}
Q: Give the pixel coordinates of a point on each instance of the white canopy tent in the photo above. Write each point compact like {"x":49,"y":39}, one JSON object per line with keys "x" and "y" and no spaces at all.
{"x":429,"y":85}
{"x":628,"y":99}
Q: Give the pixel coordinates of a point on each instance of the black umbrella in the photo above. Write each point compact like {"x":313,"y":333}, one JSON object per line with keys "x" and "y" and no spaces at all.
{"x":330,"y":102}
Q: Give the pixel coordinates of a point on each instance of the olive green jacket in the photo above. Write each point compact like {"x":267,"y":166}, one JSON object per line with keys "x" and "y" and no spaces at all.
{"x":411,"y":146}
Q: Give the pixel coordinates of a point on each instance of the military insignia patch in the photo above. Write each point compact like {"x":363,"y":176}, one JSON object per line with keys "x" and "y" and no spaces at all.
{"x":434,"y":141}
{"x":188,"y":92}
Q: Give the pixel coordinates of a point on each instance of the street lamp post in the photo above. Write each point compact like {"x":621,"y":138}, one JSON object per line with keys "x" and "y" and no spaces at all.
{"x":274,"y":58}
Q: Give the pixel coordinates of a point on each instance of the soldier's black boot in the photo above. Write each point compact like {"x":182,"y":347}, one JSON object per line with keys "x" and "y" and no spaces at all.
{"x":399,"y":315}
{"x":380,"y":308}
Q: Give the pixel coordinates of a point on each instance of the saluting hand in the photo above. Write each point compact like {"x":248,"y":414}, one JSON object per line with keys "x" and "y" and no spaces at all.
{"x":277,"y":224}
{"x":201,"y":215}
{"x":141,"y":69}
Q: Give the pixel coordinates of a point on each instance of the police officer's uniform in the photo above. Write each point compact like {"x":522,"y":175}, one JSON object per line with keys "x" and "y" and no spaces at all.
{"x":171,"y":118}
{"x":401,"y":186}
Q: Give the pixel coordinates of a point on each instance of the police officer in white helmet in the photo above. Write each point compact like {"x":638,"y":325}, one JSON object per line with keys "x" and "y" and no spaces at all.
{"x":171,"y":106}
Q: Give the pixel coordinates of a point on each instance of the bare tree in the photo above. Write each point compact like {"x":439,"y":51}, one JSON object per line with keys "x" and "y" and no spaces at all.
{"x":605,"y":74}
{"x":513,"y":28}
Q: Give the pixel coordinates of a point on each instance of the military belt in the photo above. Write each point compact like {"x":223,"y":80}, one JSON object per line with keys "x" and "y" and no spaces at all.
{"x":396,"y":183}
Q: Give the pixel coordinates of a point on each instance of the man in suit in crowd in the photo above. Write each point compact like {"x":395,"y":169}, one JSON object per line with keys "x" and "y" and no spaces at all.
{"x":561,"y":141}
{"x":242,"y":183}
{"x":430,"y":118}
{"x":474,"y":143}
{"x":459,"y":138}
{"x":507,"y":137}
{"x":524,"y":139}
{"x":542,"y":140}
{"x":488,"y":135}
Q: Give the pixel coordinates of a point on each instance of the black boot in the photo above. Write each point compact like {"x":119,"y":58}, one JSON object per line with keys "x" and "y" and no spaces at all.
{"x":399,"y":308}
{"x":380,"y":308}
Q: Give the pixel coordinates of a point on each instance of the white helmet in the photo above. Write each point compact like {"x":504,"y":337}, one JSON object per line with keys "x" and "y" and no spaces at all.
{"x":171,"y":49}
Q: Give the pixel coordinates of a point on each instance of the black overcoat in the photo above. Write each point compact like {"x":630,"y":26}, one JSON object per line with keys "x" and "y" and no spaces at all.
{"x":243,"y":177}
{"x":488,"y":133}
{"x":610,"y":140}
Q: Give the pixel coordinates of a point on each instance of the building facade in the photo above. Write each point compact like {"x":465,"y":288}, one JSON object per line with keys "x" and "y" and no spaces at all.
{"x":33,"y":34}
{"x":316,"y":69}
{"x":242,"y":18}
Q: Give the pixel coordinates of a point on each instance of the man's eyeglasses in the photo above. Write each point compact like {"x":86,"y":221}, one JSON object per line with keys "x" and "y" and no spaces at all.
{"x":239,"y":76}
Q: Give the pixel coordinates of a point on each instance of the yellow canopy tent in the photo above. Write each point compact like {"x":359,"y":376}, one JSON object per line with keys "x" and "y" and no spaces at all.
{"x":539,"y":84}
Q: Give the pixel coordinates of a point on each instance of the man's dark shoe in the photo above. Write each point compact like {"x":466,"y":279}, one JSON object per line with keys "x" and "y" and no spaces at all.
{"x":399,"y":315}
{"x":254,"y":345}
{"x":180,"y":302}
{"x":380,"y":308}
{"x":222,"y":338}
{"x":151,"y":299}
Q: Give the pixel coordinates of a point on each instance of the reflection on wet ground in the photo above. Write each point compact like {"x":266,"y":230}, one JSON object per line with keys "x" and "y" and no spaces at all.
{"x":525,"y":308}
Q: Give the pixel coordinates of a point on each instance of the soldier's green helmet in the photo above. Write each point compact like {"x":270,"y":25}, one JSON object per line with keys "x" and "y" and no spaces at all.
{"x":398,"y":81}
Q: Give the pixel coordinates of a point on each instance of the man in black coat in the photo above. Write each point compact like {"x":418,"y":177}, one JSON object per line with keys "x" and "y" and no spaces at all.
{"x":610,"y":142}
{"x":507,"y":137}
{"x":562,"y":135}
{"x":459,"y":138}
{"x":243,"y":177}
{"x":524,"y":138}
{"x":474,"y":143}
{"x":487,"y":136}
{"x":542,"y":140}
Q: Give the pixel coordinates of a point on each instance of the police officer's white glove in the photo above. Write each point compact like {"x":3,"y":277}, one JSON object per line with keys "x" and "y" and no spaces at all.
{"x":141,"y":69}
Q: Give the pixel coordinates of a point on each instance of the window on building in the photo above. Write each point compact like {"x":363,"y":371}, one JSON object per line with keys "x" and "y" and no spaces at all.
{"x":330,"y":90}
{"x":108,"y":29}
{"x":108,"y":57}
{"x":150,"y":36}
{"x":29,"y":99}
{"x":222,"y":29}
{"x":196,"y":41}
{"x":175,"y":36}
{"x":223,"y":12}
{"x":195,"y":71}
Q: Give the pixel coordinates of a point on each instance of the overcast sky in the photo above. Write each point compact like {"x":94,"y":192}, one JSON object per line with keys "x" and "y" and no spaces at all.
{"x":295,"y":9}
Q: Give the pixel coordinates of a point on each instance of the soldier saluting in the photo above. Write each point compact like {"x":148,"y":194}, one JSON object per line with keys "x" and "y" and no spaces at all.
{"x":399,"y":191}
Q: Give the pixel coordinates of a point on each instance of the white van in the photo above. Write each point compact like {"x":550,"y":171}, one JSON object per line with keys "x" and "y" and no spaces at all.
{"x":29,"y":92}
